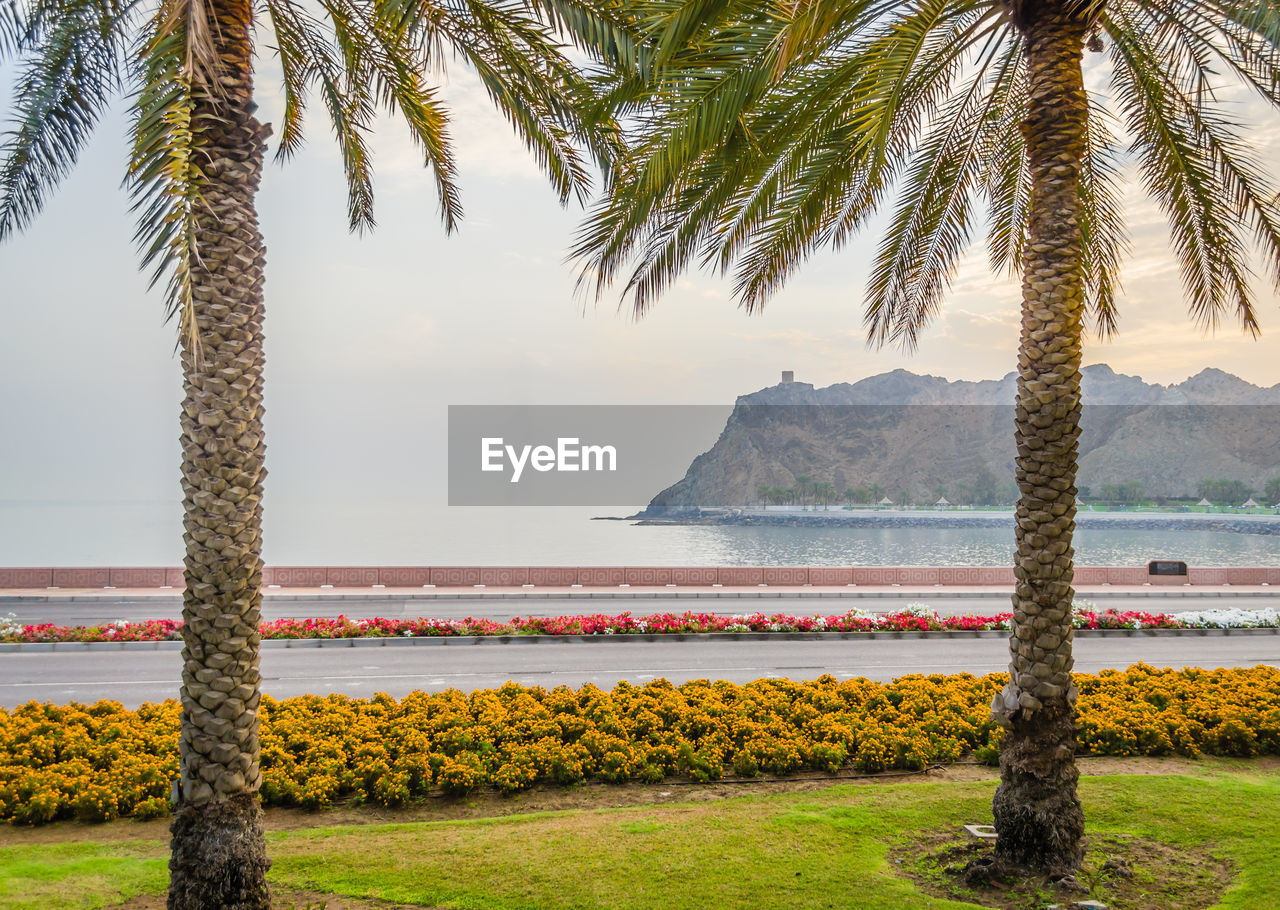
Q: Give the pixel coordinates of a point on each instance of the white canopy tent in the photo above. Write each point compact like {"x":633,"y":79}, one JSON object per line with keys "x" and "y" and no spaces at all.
{"x":1204,"y":502}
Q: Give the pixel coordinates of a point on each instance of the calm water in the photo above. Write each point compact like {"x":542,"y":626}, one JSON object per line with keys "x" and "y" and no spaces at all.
{"x":309,"y":533}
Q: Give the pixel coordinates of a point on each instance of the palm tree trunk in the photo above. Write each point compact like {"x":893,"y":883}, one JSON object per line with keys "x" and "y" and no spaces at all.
{"x":1038,"y":818}
{"x":218,"y":855}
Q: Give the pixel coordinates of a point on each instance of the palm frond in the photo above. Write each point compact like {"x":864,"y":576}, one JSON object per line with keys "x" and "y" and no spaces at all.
{"x":298,"y":36}
{"x":1240,"y":36}
{"x":767,"y":131}
{"x":314,"y":59}
{"x":529,"y":82}
{"x":1105,"y":238}
{"x":906,"y":71}
{"x":915,"y":63}
{"x":920,"y":248}
{"x":851,"y":120}
{"x":1008,"y":178}
{"x":367,"y":56}
{"x":74,"y":54}
{"x":193,"y":19}
{"x":600,"y":29}
{"x":777,"y":164}
{"x":1204,"y":179}
{"x":164,"y":171}
{"x":380,"y":57}
{"x":12,"y":28}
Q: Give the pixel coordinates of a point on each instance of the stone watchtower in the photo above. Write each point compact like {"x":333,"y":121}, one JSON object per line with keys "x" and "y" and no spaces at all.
{"x":788,"y":375}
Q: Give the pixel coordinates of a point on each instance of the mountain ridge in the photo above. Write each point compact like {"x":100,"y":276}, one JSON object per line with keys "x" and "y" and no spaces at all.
{"x":1101,"y":385}
{"x":905,"y":432}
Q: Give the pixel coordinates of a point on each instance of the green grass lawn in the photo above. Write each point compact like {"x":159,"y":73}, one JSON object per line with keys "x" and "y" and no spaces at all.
{"x":818,"y":849}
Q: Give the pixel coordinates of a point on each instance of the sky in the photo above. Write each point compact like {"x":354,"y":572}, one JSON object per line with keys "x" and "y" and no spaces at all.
{"x":370,"y":338}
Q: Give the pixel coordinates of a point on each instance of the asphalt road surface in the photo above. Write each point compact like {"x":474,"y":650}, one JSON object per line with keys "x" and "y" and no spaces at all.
{"x":136,"y":676}
{"x":102,"y":609}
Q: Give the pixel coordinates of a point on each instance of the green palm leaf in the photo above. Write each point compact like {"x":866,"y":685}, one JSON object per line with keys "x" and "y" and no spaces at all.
{"x":1207,"y":184}
{"x":763,"y":133}
{"x":360,"y":57}
{"x":73,"y":58}
{"x":164,"y":166}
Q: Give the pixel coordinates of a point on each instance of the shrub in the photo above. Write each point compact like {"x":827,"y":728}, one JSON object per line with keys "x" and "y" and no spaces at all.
{"x":101,"y":761}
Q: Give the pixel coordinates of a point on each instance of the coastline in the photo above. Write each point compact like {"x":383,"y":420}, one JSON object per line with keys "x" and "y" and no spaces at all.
{"x":1265,"y":525}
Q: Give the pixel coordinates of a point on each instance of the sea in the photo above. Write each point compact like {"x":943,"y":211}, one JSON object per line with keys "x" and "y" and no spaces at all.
{"x":327,"y":532}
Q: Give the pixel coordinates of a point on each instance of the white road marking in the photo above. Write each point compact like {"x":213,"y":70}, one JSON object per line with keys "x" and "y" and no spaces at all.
{"x":439,"y":679}
{"x":78,"y":683}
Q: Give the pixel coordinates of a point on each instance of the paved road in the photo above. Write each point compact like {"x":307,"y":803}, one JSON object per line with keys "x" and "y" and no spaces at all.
{"x":103,"y":609}
{"x":139,"y":676}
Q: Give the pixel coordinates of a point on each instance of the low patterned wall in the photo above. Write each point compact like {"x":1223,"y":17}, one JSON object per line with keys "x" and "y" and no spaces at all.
{"x":612,"y":576}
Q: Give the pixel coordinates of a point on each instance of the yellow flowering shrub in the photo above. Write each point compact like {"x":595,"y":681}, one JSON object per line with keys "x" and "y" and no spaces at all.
{"x":100,"y":761}
{"x":1149,"y":711}
{"x":94,"y":762}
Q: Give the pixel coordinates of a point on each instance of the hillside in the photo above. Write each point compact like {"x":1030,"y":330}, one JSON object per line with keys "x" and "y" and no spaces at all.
{"x":923,"y":435}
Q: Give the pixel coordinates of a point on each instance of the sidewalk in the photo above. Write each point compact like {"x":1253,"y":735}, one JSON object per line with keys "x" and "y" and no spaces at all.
{"x":637,"y":592}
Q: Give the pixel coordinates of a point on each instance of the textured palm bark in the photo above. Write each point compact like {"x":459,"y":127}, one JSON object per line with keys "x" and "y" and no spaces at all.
{"x":218,"y":854}
{"x":1038,"y":817}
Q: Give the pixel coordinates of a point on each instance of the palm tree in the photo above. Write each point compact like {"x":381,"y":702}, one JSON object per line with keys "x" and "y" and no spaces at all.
{"x":194,"y":170}
{"x":768,"y":131}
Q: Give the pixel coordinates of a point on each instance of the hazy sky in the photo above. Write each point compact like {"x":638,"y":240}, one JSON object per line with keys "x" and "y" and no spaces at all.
{"x":368,"y":339}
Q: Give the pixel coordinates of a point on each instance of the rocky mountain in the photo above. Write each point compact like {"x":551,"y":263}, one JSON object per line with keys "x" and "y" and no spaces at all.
{"x":901,"y":432}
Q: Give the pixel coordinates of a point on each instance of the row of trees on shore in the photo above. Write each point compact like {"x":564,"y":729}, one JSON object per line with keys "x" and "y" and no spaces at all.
{"x":985,"y":490}
{"x":1219,"y":492}
{"x":1234,"y":492}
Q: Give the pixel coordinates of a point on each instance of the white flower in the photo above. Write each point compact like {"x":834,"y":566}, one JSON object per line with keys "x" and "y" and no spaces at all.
{"x":1231,"y":619}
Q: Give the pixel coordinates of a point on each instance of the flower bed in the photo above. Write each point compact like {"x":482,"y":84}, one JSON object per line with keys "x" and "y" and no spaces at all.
{"x":914,"y":618}
{"x":101,"y":761}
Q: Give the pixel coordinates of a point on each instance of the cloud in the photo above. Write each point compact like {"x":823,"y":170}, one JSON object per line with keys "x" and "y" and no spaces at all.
{"x":792,"y":339}
{"x":484,"y":143}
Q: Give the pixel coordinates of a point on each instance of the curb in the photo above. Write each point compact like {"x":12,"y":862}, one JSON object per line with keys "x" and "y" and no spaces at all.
{"x":466,"y":640}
